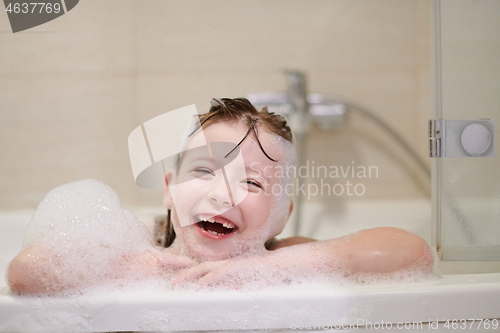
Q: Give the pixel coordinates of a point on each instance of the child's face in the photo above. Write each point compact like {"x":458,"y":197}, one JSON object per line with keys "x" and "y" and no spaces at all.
{"x":239,"y":203}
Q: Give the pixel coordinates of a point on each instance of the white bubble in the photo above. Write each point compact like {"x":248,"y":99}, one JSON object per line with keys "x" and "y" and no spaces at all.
{"x":82,"y":235}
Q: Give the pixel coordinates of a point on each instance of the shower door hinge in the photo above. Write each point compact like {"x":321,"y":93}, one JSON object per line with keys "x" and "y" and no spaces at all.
{"x":435,"y":138}
{"x":461,"y":138}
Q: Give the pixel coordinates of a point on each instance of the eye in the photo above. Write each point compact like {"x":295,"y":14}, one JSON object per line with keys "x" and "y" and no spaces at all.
{"x":203,"y":172}
{"x":254,"y":183}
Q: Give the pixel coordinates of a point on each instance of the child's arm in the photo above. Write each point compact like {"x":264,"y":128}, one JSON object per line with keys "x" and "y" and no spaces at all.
{"x":26,"y":275}
{"x":383,"y":250}
{"x":379,"y":250}
{"x":285,"y":242}
{"x":40,"y":271}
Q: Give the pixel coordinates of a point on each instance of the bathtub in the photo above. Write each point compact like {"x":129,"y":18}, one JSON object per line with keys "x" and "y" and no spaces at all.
{"x":454,"y":302}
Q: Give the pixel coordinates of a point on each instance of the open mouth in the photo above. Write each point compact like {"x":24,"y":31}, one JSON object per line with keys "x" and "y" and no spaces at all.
{"x":215,"y":225}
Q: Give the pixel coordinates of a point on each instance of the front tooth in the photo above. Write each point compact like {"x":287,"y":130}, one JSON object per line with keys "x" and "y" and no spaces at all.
{"x":205,"y":218}
{"x":210,"y":219}
{"x":228,"y":225}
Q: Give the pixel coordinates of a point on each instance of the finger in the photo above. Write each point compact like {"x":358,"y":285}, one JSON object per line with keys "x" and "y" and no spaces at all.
{"x":195,"y":273}
{"x":190,"y":274}
{"x":226,"y":275}
{"x":210,"y":279}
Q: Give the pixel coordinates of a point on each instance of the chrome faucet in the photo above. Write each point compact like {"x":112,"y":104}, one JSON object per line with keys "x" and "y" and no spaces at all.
{"x":299,"y":119}
{"x":299,"y":116}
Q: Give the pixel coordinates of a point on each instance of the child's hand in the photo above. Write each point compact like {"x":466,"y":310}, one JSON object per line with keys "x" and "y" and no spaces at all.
{"x":153,"y":263}
{"x":196,"y":273}
{"x":232,"y":273}
{"x":170,"y":260}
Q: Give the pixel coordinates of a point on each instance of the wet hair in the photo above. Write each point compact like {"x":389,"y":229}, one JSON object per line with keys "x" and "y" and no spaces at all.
{"x":235,"y":111}
{"x":240,"y":110}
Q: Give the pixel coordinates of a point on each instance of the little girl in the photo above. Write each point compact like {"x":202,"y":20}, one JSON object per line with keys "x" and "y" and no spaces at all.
{"x":224,"y":212}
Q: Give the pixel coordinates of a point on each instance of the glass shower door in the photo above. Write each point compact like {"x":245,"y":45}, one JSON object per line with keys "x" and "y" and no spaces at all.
{"x":466,"y":189}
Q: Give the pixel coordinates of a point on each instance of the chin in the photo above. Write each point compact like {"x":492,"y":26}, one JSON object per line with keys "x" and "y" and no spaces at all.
{"x":194,"y":244}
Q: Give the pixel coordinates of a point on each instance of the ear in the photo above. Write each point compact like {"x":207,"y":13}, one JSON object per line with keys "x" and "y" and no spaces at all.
{"x":167,"y":195}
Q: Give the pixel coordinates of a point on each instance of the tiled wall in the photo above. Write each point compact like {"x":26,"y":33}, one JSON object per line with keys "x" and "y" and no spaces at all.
{"x":71,"y":90}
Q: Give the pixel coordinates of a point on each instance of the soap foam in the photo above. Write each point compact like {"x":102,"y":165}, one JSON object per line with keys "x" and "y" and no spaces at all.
{"x":82,"y":234}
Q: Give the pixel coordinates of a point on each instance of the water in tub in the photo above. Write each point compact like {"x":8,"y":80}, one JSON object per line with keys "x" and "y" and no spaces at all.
{"x":81,"y":243}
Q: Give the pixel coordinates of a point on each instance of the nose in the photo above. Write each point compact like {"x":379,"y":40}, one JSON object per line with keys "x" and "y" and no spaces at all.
{"x":219,"y":193}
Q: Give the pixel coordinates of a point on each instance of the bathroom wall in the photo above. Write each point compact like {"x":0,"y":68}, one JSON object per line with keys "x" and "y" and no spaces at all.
{"x":71,"y":90}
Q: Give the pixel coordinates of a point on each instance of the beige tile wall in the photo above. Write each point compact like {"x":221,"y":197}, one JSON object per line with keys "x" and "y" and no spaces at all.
{"x":74,"y":88}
